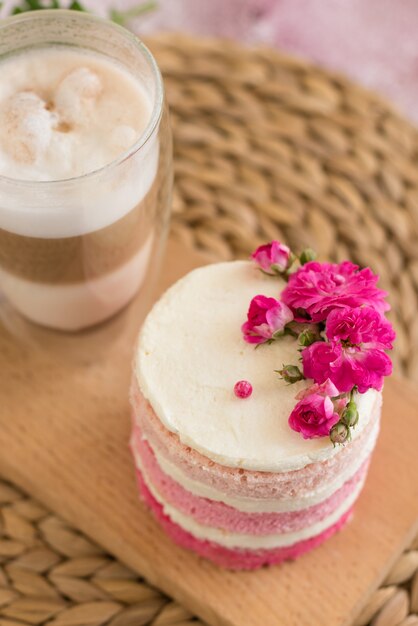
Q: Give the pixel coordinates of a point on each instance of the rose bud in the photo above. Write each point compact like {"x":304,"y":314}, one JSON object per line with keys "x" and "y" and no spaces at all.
{"x":350,"y":414}
{"x":307,"y":255}
{"x":308,"y":337}
{"x":291,"y":374}
{"x":273,"y":258}
{"x":339,"y":433}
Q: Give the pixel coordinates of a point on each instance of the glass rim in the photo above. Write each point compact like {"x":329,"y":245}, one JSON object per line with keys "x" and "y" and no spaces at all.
{"x":157,"y":107}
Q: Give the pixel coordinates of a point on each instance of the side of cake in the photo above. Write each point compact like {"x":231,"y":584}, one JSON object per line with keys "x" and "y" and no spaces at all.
{"x":227,"y":474}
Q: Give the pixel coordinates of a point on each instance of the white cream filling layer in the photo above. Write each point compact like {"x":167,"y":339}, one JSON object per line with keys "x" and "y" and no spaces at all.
{"x":252,"y":542}
{"x":258,"y":505}
{"x":71,"y":307}
{"x":191,"y":353}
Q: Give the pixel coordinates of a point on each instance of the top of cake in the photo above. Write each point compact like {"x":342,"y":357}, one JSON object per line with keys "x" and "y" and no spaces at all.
{"x":190,"y":354}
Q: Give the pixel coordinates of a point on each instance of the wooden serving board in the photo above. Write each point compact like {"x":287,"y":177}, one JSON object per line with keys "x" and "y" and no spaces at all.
{"x":64,"y":427}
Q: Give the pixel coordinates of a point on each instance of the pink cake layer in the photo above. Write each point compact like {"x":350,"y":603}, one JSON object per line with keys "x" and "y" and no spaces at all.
{"x":219,"y":515}
{"x":226,"y":557}
{"x":238,"y":482}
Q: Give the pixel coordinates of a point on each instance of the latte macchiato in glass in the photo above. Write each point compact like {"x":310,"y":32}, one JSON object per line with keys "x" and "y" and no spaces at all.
{"x":85,"y":167}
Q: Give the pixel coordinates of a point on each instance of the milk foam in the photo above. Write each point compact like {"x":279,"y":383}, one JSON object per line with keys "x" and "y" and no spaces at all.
{"x":66,"y":112}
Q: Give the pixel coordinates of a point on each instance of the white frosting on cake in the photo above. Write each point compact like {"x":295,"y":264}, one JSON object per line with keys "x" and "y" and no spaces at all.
{"x":190,"y":354}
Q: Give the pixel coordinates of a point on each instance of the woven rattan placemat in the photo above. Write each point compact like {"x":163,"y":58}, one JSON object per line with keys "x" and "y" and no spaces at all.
{"x":265,"y":147}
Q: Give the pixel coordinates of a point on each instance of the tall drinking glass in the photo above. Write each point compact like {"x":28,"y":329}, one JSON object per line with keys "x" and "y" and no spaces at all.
{"x":75,"y":251}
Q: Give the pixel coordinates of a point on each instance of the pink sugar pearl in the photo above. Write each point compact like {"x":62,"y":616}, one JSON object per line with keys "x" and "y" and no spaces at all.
{"x":243,"y":389}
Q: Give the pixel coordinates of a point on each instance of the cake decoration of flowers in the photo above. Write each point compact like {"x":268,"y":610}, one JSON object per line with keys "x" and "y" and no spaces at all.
{"x":336,"y":313}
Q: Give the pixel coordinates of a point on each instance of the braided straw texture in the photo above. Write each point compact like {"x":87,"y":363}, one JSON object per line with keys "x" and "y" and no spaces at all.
{"x":265,"y":147}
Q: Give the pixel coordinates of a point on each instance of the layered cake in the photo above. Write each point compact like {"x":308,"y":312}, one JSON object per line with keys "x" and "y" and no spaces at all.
{"x":256,"y":400}
{"x":79,"y":192}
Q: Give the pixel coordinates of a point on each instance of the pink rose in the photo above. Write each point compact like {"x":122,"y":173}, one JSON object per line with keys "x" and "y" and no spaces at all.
{"x":272,"y":257}
{"x":313,"y":416}
{"x":315,"y":289}
{"x":355,"y":355}
{"x":265,"y":318}
{"x":362,"y":325}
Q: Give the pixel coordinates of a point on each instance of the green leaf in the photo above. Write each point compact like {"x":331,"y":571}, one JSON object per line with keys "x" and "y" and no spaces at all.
{"x":76,"y":6}
{"x":117,"y":17}
{"x":34,"y":5}
{"x":121,"y":17}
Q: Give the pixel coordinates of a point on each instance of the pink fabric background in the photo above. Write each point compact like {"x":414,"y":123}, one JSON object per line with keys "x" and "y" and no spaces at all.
{"x":373,"y":41}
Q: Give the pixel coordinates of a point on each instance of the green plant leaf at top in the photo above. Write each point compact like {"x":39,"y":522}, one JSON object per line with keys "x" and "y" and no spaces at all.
{"x":120,"y":17}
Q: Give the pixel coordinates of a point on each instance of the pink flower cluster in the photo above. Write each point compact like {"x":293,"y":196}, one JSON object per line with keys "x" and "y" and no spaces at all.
{"x":337,"y":312}
{"x":354,"y":353}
